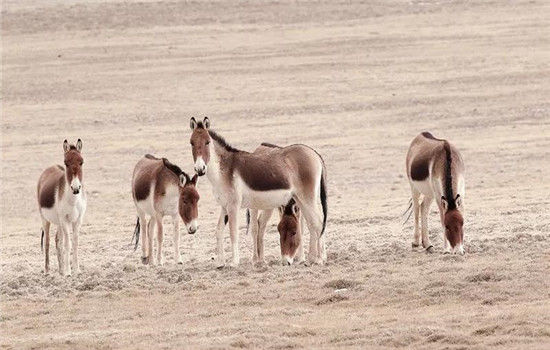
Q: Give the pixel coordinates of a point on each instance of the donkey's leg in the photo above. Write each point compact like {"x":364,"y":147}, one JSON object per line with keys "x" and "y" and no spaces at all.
{"x":160,"y":237}
{"x":233,"y":213}
{"x":76,"y":231}
{"x":254,"y":218}
{"x":46,"y":228}
{"x":424,"y":212}
{"x":262,"y":223}
{"x":321,"y":248}
{"x":150,"y":236}
{"x":144,"y":240}
{"x":313,"y":215}
{"x":59,"y":249}
{"x":176,"y":224}
{"x":416,"y":209}
{"x":65,"y":228}
{"x":301,"y":256}
{"x":220,"y":259}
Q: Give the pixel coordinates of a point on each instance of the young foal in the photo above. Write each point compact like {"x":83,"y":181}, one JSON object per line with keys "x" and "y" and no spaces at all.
{"x":62,"y":202}
{"x":259,"y":181}
{"x":436,"y":171}
{"x":160,"y":188}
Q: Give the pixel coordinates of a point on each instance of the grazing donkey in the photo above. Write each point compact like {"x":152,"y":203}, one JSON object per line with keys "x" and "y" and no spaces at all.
{"x":62,"y":202}
{"x":436,"y":171}
{"x":261,"y":181}
{"x":290,"y":229}
{"x":290,"y":226}
{"x":160,"y":188}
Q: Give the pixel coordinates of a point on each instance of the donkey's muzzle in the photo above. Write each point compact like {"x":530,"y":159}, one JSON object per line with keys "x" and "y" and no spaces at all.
{"x":76,"y":191}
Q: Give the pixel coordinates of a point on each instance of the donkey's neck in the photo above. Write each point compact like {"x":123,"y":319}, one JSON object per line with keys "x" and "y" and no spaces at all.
{"x":214,"y":165}
{"x":68,"y":196}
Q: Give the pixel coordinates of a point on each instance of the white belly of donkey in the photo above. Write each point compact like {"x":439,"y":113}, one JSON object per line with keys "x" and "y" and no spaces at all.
{"x":263,"y":200}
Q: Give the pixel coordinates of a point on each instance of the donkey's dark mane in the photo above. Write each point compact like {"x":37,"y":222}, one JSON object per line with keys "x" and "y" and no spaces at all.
{"x":150,"y":156}
{"x":451,"y":203}
{"x":270,"y":145}
{"x":172,"y":167}
{"x":220,"y":140}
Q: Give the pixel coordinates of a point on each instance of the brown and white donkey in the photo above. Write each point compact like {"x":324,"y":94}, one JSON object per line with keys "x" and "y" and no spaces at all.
{"x":258,"y":181}
{"x":62,"y":202}
{"x":160,"y":188}
{"x":436,"y":171}
{"x":290,"y":226}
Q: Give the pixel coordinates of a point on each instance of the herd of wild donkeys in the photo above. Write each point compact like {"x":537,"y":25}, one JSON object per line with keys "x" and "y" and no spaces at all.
{"x":291,"y":179}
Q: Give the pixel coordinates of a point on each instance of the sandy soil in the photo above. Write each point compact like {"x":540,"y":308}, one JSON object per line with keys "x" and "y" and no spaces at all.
{"x":357,"y":82}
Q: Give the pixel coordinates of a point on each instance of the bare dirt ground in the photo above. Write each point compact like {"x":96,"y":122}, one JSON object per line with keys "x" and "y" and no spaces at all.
{"x":355,"y":81}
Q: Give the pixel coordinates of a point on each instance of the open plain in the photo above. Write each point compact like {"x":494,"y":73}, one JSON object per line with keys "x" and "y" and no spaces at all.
{"x":356,"y":81}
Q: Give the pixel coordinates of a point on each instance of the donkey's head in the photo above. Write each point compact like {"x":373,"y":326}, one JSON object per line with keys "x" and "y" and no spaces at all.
{"x":453,"y":223}
{"x":200,"y":144}
{"x":189,"y":202}
{"x":289,"y":232}
{"x":73,"y":165}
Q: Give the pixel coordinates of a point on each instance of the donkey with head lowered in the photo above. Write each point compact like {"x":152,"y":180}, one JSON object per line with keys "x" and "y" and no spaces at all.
{"x":290,"y":227}
{"x":436,"y":172}
{"x":62,"y":202}
{"x":160,"y":188}
{"x":261,"y":181}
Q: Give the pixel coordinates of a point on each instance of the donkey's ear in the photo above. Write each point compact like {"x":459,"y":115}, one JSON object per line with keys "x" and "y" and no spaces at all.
{"x":66,"y":146}
{"x":195,"y":179}
{"x":206,"y":122}
{"x":295,"y":209}
{"x":444,"y":203}
{"x":458,"y":201}
{"x":79,"y":145}
{"x":193,"y":123}
{"x":183,"y":179}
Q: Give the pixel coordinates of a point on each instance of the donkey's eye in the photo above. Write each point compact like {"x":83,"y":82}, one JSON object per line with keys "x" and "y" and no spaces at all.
{"x":207,"y":142}
{"x":192,"y":143}
{"x":66,"y":163}
{"x":81,"y":162}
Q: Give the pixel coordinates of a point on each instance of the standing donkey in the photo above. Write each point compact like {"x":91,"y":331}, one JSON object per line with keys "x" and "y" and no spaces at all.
{"x":436,"y":171}
{"x":62,"y":202}
{"x":258,"y":181}
{"x":160,"y":188}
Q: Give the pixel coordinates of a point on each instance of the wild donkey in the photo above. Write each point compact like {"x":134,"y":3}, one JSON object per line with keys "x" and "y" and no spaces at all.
{"x":436,"y":171}
{"x":62,"y":202}
{"x":160,"y":188}
{"x":246,"y":180}
{"x":290,"y":226}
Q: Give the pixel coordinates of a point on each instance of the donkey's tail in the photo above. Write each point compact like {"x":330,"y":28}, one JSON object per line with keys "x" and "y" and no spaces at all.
{"x":408,"y":211}
{"x":136,"y":234}
{"x":42,"y":241}
{"x":324,"y":196}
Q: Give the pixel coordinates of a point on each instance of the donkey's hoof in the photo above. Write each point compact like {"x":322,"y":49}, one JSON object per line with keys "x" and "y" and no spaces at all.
{"x":430,"y":249}
{"x":415,"y":245}
{"x":316,"y":261}
{"x":145,"y":260}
